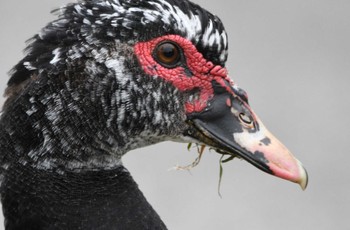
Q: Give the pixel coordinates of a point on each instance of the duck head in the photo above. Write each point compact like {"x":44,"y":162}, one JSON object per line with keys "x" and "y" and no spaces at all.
{"x":134,"y":73}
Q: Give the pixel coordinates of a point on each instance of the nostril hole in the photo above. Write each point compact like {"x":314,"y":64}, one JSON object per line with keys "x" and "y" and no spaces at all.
{"x":245,"y":118}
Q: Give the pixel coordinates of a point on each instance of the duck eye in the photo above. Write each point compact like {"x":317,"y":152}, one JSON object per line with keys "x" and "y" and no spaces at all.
{"x":167,"y":54}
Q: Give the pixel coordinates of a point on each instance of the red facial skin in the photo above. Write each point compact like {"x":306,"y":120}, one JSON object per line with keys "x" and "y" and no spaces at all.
{"x":204,"y":72}
{"x":280,"y":161}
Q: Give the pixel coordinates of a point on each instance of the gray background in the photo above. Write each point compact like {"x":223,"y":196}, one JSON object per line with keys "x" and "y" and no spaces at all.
{"x":292,"y":57}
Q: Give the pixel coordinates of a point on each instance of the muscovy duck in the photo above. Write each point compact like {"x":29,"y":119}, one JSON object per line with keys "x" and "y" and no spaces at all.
{"x":109,"y":76}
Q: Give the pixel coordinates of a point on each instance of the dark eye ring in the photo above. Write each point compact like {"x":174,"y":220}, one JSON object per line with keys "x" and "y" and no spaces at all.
{"x":167,"y":54}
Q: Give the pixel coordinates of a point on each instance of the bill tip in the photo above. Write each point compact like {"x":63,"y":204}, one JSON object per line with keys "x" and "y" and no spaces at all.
{"x":304,"y":178}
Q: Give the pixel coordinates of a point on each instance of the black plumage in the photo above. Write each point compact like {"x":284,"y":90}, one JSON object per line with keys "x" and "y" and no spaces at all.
{"x":95,"y":84}
{"x":60,"y":142}
{"x":108,"y":199}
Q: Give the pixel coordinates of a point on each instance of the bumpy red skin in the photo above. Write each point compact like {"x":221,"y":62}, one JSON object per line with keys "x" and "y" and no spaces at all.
{"x":204,"y":72}
{"x":280,"y":161}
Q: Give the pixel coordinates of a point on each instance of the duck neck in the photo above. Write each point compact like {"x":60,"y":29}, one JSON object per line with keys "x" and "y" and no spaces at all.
{"x":103,"y":199}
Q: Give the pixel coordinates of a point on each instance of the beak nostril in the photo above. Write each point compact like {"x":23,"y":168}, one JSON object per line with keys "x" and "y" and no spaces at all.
{"x":245,"y":119}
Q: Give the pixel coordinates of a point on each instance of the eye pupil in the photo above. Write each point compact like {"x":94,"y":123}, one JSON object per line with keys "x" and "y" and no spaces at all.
{"x":167,"y":54}
{"x":168,"y":50}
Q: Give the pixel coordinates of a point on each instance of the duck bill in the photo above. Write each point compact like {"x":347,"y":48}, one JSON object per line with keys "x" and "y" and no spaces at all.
{"x":230,"y":126}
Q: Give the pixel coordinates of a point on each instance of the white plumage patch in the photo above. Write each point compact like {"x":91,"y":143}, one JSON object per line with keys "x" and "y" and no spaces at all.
{"x":56,"y":52}
{"x":171,"y":15}
{"x":189,"y":23}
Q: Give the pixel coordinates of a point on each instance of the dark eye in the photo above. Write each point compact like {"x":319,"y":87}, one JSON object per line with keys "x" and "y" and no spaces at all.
{"x":167,"y":54}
